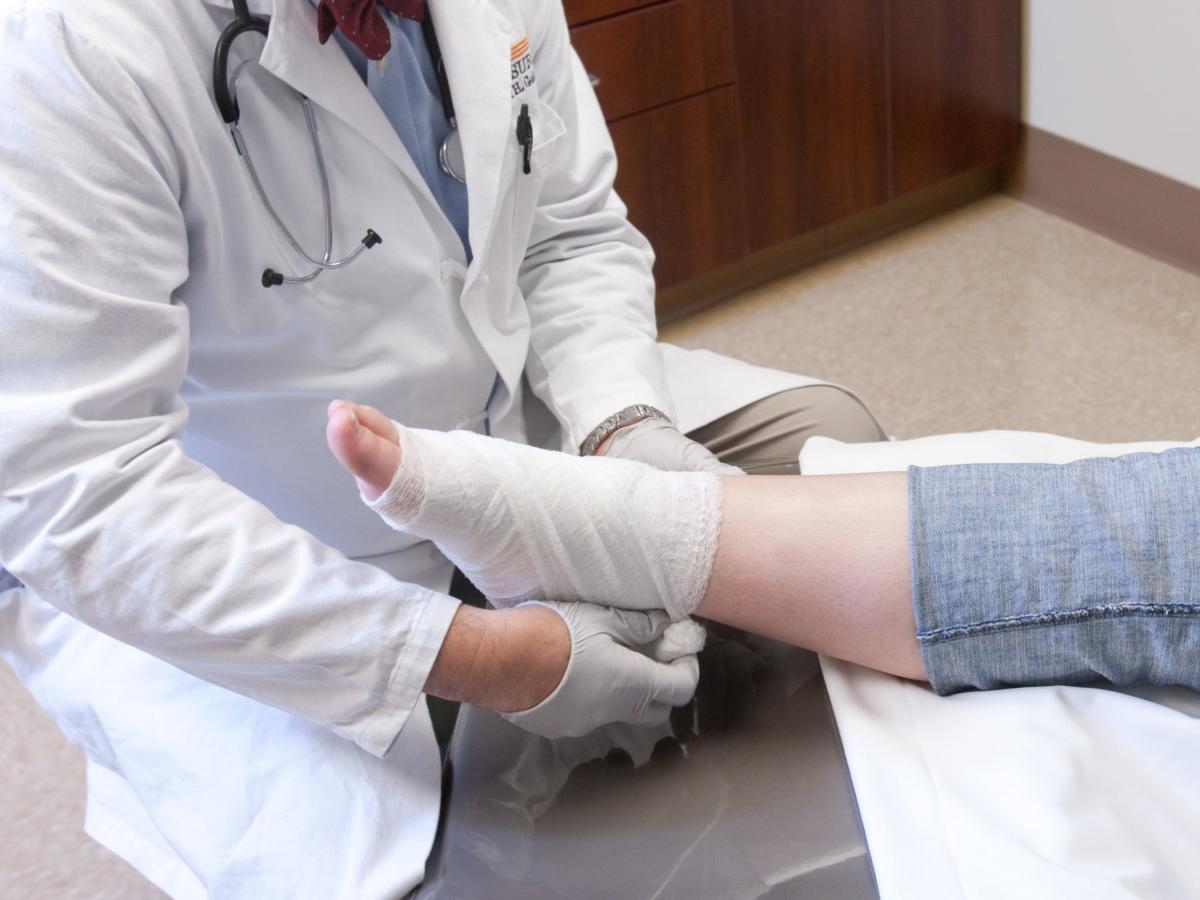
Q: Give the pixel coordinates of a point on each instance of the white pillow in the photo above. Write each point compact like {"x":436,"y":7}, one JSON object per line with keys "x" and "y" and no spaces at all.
{"x":1054,"y":792}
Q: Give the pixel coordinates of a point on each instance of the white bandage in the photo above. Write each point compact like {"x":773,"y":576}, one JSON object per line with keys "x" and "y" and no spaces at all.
{"x":529,"y":524}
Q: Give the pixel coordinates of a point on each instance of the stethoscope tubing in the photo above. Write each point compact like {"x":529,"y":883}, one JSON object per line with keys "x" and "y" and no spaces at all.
{"x":225,"y":95}
{"x":326,"y":262}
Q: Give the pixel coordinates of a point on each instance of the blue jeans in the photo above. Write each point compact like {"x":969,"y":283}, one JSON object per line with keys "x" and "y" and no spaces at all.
{"x":1058,"y":574}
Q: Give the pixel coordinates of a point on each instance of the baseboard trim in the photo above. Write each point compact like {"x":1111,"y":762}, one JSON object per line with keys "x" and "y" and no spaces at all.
{"x":812,"y":247}
{"x":1134,"y":206}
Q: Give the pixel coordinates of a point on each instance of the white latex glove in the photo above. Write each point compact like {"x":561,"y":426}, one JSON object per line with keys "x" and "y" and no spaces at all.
{"x":625,"y":666}
{"x":660,"y":444}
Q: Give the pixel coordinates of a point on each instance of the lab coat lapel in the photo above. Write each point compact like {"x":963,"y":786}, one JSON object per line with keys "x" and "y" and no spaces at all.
{"x":324,"y":75}
{"x":475,"y":40}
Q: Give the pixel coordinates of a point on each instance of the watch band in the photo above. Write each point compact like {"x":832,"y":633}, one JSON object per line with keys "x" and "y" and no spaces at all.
{"x":627,"y":416}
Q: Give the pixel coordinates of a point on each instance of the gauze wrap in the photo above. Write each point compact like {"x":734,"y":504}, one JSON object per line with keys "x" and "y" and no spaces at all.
{"x":529,"y":524}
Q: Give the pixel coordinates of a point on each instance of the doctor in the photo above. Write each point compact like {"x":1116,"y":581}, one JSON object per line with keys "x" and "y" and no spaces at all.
{"x":238,"y":645}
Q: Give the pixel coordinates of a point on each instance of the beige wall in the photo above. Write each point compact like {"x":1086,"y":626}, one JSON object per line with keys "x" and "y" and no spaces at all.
{"x":1121,"y":76}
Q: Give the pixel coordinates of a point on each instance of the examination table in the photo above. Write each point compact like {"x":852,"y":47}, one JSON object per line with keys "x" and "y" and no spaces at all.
{"x":745,"y":795}
{"x":1047,"y":792}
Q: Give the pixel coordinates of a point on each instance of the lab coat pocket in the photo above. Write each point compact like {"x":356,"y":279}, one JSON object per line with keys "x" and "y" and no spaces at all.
{"x":548,"y":130}
{"x":548,"y":127}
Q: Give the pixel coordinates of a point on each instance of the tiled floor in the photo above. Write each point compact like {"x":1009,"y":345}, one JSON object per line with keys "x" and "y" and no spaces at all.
{"x":997,"y":316}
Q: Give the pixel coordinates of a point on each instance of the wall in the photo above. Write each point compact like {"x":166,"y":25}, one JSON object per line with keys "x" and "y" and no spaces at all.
{"x":1120,"y":76}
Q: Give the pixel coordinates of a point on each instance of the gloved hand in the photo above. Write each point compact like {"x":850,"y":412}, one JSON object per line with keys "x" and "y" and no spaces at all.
{"x":660,"y":444}
{"x":625,"y":666}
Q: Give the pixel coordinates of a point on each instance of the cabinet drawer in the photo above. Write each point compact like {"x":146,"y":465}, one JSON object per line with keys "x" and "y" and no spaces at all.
{"x":681,"y":177}
{"x":586,"y":10}
{"x":659,"y":54}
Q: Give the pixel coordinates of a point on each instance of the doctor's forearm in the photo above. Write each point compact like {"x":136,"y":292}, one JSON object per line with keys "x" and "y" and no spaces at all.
{"x":821,"y":562}
{"x":501,"y":659}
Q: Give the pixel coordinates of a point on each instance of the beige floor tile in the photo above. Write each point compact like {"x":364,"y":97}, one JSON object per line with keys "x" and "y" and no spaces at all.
{"x":996,"y":316}
{"x":44,"y":854}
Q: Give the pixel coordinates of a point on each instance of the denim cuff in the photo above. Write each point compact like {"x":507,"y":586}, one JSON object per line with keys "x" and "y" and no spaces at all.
{"x":1058,"y":574}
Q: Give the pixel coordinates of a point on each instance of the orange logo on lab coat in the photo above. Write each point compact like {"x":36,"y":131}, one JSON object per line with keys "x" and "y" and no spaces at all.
{"x":522,"y":67}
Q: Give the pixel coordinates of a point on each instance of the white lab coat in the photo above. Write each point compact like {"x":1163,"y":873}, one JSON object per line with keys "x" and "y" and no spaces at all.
{"x":206,"y":607}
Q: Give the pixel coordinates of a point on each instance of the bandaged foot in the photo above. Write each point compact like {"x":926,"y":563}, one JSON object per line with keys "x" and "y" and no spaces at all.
{"x":525,"y":524}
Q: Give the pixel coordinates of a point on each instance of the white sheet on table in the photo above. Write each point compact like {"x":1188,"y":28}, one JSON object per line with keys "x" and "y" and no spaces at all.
{"x":1054,"y":792}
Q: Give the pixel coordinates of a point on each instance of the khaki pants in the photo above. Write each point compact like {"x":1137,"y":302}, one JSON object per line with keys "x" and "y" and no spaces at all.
{"x":765,"y":437}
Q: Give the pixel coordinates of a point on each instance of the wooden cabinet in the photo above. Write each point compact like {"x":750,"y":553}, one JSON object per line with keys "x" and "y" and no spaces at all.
{"x":681,"y":174}
{"x":742,"y":124}
{"x":579,"y":11}
{"x":955,"y":87}
{"x":665,"y":74}
{"x":656,"y":55}
{"x":812,"y":79}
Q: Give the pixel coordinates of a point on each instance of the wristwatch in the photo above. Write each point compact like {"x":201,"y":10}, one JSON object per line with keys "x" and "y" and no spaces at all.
{"x":627,"y":416}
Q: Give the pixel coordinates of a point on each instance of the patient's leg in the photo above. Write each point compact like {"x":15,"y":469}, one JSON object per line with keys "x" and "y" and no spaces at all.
{"x":820,"y":562}
{"x":817,"y":562}
{"x":1024,"y":574}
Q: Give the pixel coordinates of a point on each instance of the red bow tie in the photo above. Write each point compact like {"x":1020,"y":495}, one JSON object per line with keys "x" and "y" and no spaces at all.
{"x":362,"y":23}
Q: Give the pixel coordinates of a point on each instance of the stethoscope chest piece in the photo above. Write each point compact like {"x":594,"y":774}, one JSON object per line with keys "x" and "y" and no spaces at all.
{"x":450,"y":157}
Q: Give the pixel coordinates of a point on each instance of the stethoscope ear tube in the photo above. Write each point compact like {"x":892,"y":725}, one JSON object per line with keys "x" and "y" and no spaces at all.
{"x":222,"y":93}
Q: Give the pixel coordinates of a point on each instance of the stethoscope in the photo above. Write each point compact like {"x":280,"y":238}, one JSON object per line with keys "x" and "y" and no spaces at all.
{"x":450,"y":155}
